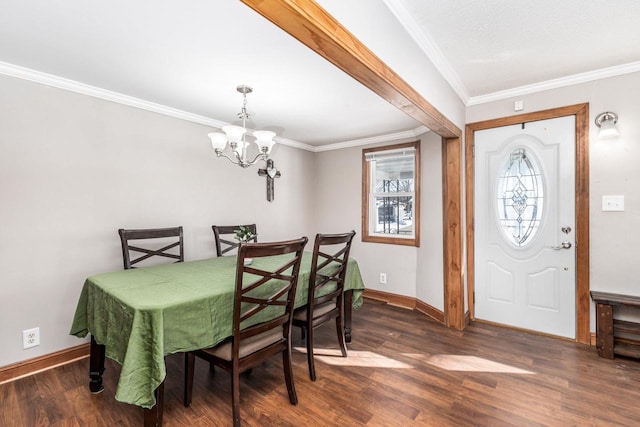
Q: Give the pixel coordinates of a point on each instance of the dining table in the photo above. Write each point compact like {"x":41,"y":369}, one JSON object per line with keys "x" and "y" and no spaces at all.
{"x":137,"y":317}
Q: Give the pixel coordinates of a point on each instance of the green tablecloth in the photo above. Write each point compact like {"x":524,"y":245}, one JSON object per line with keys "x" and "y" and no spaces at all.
{"x":142,"y":315}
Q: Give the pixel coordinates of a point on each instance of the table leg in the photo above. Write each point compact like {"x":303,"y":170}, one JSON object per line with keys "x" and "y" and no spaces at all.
{"x":348,"y":308}
{"x":96,"y":366}
{"x":153,"y":416}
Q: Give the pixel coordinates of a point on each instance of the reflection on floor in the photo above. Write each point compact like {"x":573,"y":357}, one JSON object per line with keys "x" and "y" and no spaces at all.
{"x":449,"y":362}
{"x":354,"y":358}
{"x":452,"y":362}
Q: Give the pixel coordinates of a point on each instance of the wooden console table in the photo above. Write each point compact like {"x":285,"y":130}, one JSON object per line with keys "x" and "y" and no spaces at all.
{"x":614,"y":336}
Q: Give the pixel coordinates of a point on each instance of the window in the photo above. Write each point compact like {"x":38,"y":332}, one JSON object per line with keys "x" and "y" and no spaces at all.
{"x":391,"y":194}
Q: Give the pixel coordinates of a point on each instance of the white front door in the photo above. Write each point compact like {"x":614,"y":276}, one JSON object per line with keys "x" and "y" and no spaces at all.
{"x":525,"y":226}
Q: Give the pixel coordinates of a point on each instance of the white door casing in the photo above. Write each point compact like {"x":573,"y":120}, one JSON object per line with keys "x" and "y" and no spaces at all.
{"x":528,"y":283}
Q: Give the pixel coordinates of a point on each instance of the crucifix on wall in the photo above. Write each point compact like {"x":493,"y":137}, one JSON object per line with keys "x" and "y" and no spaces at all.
{"x":271,"y":173}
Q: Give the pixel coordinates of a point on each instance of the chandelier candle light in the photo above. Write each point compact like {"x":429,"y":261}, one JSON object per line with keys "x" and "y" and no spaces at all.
{"x":236,"y":137}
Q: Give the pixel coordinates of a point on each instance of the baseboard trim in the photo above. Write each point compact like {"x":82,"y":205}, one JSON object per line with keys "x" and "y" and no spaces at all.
{"x":405,"y":302}
{"x":43,"y":363}
{"x":438,"y":315}
{"x":430,"y":311}
{"x":391,"y":299}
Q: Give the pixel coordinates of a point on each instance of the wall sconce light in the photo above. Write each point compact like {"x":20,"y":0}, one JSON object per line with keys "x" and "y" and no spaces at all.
{"x":607,"y":123}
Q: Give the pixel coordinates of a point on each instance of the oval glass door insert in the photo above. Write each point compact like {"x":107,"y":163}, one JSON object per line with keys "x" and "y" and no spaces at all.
{"x":520,"y":199}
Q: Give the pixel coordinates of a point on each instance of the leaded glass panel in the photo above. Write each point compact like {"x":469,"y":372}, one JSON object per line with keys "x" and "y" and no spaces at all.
{"x":520,"y":198}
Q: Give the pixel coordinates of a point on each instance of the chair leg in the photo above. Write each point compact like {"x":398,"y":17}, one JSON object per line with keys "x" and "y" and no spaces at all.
{"x":341,"y":339}
{"x":235,"y":397}
{"x":189,"y":366}
{"x":312,"y":366}
{"x":288,"y":375}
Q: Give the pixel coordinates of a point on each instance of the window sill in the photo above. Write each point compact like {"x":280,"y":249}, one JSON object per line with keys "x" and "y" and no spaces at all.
{"x":391,"y":240}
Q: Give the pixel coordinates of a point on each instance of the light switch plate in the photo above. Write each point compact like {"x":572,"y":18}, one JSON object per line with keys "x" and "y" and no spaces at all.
{"x":613,"y":203}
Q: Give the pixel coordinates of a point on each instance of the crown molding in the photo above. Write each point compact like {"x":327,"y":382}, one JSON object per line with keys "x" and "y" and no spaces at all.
{"x":373,"y":140}
{"x":430,"y":48}
{"x":574,"y":79}
{"x":96,"y":92}
{"x":295,"y":144}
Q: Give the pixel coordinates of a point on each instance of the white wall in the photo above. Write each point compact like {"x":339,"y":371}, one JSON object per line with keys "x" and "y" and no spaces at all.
{"x":614,"y":250}
{"x":430,"y":255}
{"x":338,"y":208}
{"x":74,"y":169}
{"x":412,"y":272}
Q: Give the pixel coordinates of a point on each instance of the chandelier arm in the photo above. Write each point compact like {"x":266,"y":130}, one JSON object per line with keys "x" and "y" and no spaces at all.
{"x":243,"y":163}
{"x":221,"y":154}
{"x":257,"y":158}
{"x":240,"y":157}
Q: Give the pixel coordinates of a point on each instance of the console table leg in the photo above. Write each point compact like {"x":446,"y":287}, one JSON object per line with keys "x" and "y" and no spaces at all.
{"x":96,"y":366}
{"x":604,"y":330}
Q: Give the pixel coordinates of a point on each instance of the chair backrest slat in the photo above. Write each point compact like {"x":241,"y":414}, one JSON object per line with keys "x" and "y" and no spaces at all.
{"x":328,"y":266}
{"x":265,"y":293}
{"x":224,"y":245}
{"x":148,"y":236}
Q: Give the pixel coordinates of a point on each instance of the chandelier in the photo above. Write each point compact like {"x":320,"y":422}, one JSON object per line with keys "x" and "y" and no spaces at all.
{"x":235,"y":136}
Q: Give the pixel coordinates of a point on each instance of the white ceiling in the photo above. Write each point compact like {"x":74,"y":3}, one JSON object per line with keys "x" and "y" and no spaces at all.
{"x":186,"y":58}
{"x":516,"y":46}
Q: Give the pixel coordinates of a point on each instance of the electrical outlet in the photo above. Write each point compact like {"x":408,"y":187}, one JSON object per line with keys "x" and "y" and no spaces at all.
{"x":30,"y":337}
{"x":383,"y":278}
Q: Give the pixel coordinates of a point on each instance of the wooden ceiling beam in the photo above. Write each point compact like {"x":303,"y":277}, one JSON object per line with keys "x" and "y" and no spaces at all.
{"x":314,"y":27}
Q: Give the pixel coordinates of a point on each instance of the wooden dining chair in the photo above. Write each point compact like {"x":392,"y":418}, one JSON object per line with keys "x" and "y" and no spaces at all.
{"x":224,"y":245}
{"x":263,"y":306}
{"x":326,"y":290}
{"x":157,"y":242}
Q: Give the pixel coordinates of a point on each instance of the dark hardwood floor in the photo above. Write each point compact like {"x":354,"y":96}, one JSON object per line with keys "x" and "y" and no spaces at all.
{"x":406,"y":370}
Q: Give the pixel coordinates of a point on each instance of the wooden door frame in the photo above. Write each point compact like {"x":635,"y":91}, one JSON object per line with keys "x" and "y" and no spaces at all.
{"x":581,"y":112}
